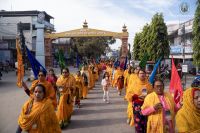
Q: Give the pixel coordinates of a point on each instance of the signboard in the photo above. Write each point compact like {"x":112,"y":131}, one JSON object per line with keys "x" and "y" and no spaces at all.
{"x":185,"y":68}
{"x":176,"y":49}
{"x":188,"y":49}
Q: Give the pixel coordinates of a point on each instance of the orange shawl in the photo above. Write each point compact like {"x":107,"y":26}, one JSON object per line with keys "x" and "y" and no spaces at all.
{"x":41,"y":117}
{"x":188,"y":117}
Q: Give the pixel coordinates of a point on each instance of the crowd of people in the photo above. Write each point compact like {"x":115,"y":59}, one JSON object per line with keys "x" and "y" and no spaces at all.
{"x":150,"y":108}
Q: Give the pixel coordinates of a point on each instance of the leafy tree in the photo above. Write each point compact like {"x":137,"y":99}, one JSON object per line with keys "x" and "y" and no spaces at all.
{"x":196,"y":36}
{"x":136,"y":46}
{"x":91,"y":47}
{"x":144,"y":41}
{"x":158,"y":41}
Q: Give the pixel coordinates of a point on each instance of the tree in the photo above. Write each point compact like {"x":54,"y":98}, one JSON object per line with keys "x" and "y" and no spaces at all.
{"x":144,"y":41}
{"x":196,"y":36}
{"x":158,"y":41}
{"x":91,"y":47}
{"x":136,"y":46}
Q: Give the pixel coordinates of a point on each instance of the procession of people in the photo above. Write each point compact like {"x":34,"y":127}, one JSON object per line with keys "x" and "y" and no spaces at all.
{"x":150,"y":107}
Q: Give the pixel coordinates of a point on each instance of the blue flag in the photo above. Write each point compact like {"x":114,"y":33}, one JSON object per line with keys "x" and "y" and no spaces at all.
{"x":125,"y":63}
{"x":36,"y":66}
{"x":78,"y":62}
{"x":116,"y":63}
{"x":153,"y":73}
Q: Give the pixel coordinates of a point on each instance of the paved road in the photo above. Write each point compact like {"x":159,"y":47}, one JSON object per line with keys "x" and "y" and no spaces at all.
{"x":95,"y":116}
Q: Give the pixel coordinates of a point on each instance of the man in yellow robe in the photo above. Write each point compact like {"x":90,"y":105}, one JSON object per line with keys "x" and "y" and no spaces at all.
{"x":37,"y":115}
{"x":66,"y":86}
{"x":50,"y":92}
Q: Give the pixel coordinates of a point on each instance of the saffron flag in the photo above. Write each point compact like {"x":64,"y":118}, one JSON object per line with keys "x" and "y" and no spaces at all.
{"x":20,"y":66}
{"x":153,"y":73}
{"x":144,"y":61}
{"x":36,"y":66}
{"x":175,"y":86}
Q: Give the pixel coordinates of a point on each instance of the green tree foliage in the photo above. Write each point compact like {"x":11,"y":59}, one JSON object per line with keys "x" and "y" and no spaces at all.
{"x":196,"y":36}
{"x":152,"y":40}
{"x":144,"y":41}
{"x":136,"y":46}
{"x":158,"y":40}
{"x":91,"y":47}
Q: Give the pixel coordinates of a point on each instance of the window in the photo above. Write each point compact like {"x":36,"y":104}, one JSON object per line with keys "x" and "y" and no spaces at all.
{"x":24,"y":26}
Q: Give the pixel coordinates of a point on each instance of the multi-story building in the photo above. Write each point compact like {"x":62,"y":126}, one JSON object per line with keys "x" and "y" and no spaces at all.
{"x":9,"y":29}
{"x":180,"y":38}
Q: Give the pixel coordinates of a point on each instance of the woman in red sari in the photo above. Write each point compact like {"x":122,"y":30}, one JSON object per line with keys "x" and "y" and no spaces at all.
{"x":52,"y":78}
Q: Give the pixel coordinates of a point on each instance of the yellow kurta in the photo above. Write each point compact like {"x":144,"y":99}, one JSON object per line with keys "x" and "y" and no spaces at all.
{"x":50,"y":91}
{"x":65,"y":106}
{"x":135,"y":87}
{"x":41,"y":118}
{"x":188,"y":117}
{"x":155,"y":121}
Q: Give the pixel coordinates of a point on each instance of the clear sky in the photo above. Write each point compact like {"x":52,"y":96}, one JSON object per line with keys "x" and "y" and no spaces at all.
{"x":108,"y":15}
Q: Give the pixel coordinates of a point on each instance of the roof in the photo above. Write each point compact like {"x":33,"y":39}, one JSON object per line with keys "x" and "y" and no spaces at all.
{"x":4,"y":13}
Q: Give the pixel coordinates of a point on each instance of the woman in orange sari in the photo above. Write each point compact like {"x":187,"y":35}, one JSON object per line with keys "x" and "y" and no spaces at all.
{"x":160,"y":108}
{"x":79,"y":88}
{"x":188,"y":117}
{"x":136,"y":91}
{"x":119,"y":80}
{"x":37,"y":115}
{"x":66,"y":86}
{"x":86,"y":80}
{"x":50,"y":91}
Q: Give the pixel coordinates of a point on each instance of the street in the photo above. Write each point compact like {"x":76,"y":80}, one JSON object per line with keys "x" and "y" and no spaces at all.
{"x":94,"y":115}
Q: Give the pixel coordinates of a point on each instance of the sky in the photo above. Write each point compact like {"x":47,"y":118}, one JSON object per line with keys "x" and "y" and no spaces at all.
{"x":109,"y":15}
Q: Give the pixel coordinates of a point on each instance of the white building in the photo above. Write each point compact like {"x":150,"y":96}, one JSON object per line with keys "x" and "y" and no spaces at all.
{"x":180,"y":37}
{"x":9,"y":28}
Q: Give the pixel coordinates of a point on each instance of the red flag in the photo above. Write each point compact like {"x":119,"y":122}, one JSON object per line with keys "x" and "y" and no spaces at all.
{"x":175,"y":86}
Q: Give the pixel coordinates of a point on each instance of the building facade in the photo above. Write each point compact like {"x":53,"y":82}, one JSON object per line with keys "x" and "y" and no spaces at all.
{"x":10,"y":22}
{"x":180,"y":40}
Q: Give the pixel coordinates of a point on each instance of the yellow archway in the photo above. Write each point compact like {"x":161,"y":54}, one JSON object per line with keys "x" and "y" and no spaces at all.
{"x":85,"y":32}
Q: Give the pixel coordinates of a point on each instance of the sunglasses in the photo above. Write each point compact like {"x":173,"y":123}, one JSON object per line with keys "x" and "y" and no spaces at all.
{"x":65,"y":72}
